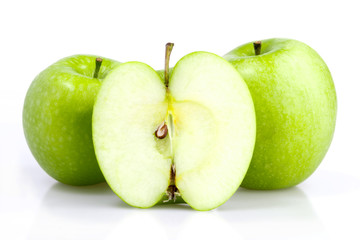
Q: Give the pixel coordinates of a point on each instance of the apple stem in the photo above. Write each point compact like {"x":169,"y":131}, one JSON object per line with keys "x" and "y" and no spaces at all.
{"x":169,"y":47}
{"x":257,"y":47}
{"x":98,"y":63}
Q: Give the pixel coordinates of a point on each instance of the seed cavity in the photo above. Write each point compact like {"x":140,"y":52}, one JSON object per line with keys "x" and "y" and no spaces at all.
{"x":161,"y":131}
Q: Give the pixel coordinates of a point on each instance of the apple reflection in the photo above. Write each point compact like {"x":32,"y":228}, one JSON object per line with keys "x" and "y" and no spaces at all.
{"x":69,"y":212}
{"x":273,"y":214}
{"x":95,"y":212}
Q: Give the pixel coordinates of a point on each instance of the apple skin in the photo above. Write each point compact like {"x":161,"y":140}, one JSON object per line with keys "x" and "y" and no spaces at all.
{"x":57,"y":117}
{"x":295,"y":105}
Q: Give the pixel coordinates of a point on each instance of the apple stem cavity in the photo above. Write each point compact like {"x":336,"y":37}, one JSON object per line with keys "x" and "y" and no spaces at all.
{"x":169,"y":47}
{"x":161,"y":131}
{"x":98,"y":62}
{"x":257,"y":47}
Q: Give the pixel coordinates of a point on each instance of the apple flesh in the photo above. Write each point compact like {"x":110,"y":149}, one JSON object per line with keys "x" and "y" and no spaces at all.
{"x":295,"y":104}
{"x":57,"y":117}
{"x":210,"y":123}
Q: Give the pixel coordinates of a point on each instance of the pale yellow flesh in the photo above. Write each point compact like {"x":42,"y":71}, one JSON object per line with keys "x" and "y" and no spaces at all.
{"x":213,"y":131}
{"x":127,"y":112}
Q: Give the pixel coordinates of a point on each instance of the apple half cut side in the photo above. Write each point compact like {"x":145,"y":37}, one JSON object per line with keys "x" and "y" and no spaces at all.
{"x":207,"y":121}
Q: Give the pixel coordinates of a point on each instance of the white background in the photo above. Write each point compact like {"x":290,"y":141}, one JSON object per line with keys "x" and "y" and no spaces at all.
{"x":34,"y":34}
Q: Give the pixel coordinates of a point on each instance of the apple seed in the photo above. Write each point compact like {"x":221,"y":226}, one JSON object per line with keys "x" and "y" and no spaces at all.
{"x":161,"y":131}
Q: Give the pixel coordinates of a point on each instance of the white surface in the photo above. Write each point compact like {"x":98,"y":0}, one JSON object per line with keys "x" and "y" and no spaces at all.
{"x":34,"y":34}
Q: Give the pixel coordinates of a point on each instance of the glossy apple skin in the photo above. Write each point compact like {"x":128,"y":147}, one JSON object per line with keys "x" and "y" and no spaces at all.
{"x":295,"y":105}
{"x":57,"y":117}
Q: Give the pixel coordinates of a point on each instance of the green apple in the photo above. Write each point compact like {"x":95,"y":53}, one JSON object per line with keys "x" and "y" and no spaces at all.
{"x":191,"y":136}
{"x":295,"y":104}
{"x":57,"y":117}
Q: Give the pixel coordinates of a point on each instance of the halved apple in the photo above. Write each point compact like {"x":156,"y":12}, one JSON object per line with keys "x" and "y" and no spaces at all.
{"x":193,"y":136}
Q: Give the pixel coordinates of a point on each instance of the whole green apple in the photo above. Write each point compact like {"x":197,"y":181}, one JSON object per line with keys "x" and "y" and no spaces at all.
{"x":295,"y":104}
{"x":57,"y":117}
